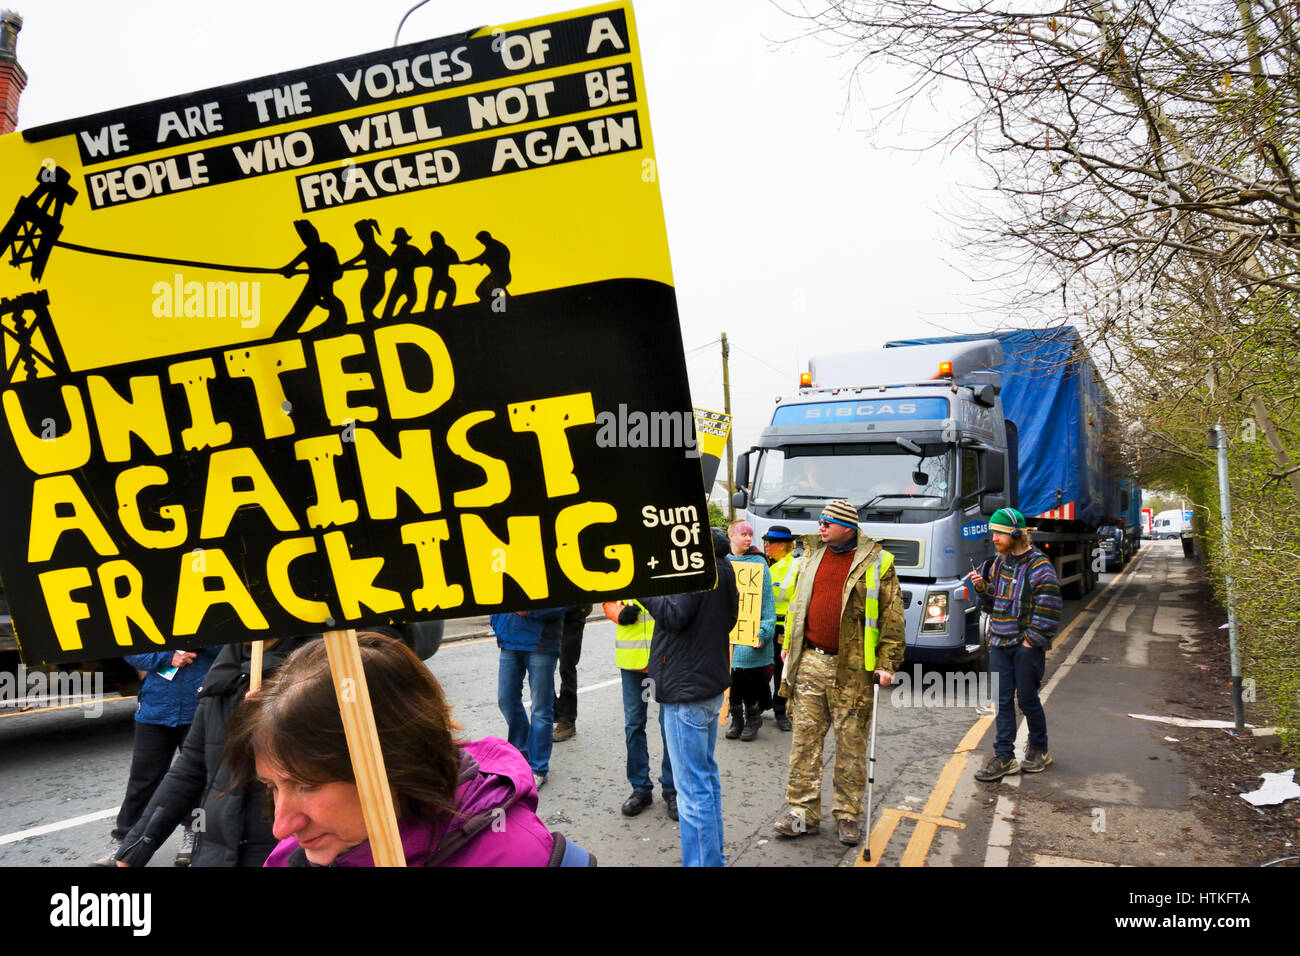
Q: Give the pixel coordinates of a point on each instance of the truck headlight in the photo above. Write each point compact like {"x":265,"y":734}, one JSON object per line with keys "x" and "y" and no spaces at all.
{"x":935,"y":618}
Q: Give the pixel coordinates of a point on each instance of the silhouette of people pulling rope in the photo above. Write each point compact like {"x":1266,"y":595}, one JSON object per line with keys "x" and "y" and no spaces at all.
{"x":376,"y":261}
{"x":404,"y":260}
{"x":496,"y":257}
{"x":323,"y":270}
{"x":33,"y":231}
{"x":440,"y":258}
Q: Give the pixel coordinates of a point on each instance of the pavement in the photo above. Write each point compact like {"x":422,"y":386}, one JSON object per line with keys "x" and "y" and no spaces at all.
{"x":465,"y":628}
{"x":1118,"y":792}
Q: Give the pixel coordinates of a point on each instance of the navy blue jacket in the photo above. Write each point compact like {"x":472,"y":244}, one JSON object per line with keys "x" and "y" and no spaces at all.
{"x":538,"y":631}
{"x":690,"y":650}
{"x":170,"y":703}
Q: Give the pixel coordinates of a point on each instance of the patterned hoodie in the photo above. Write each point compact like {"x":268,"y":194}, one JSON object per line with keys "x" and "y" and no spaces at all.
{"x":1025,"y":600}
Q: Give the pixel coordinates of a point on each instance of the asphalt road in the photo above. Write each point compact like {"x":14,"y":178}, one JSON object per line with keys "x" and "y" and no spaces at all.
{"x":56,"y":768}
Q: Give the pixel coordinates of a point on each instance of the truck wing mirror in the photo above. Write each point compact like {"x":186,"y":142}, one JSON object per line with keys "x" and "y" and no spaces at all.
{"x":740,"y":500}
{"x":993,"y":466}
{"x":742,"y":468}
{"x":992,"y":503}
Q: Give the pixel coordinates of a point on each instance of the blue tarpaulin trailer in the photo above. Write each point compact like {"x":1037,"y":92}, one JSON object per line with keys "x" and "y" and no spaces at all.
{"x":1052,"y":394}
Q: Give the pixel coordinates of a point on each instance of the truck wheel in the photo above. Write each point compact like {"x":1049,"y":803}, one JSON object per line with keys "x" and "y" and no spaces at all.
{"x":980,"y":662}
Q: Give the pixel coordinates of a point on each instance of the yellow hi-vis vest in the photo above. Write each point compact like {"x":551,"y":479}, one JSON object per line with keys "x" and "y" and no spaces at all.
{"x":785,"y":577}
{"x":871,"y":633}
{"x":632,"y":642}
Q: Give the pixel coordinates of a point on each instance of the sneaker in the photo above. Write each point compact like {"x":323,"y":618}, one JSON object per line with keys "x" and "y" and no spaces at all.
{"x":794,"y":823}
{"x":110,"y":855}
{"x":1036,"y":761}
{"x":185,"y":855}
{"x":636,"y":803}
{"x":671,"y":800}
{"x":564,"y":730}
{"x":849,"y":831}
{"x":785,"y":723}
{"x":997,"y":768}
{"x":539,"y":780}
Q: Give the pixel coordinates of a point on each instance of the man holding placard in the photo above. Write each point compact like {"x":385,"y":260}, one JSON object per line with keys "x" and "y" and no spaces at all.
{"x":845,"y":623}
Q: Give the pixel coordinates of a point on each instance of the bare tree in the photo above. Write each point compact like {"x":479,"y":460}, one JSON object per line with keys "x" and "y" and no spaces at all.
{"x":1141,"y":157}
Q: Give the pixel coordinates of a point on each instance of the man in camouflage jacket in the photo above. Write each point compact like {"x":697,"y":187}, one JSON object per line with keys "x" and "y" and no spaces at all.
{"x":825,"y":676}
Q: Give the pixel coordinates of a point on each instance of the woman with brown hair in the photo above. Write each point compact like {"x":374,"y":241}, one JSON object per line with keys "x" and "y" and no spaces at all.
{"x":458,"y":804}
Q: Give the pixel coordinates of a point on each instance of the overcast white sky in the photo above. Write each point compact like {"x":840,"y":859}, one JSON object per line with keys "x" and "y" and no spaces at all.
{"x":787,"y":229}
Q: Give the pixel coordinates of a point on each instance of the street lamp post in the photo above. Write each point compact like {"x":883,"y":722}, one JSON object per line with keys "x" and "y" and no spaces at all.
{"x":1219,"y":442}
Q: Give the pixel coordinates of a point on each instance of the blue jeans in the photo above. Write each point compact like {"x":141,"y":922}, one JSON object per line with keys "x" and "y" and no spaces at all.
{"x":692,"y":733}
{"x":532,"y":737}
{"x":1019,"y":671}
{"x":635,"y":707}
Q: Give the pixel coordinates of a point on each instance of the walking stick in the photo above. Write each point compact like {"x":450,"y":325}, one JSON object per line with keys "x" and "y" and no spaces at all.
{"x":871,"y":764}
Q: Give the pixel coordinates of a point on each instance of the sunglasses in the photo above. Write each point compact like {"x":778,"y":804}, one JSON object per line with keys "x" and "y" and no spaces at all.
{"x":823,"y":523}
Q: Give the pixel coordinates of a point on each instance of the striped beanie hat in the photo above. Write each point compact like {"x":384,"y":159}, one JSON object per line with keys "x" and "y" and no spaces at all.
{"x":841,"y":512}
{"x":1007,"y":521}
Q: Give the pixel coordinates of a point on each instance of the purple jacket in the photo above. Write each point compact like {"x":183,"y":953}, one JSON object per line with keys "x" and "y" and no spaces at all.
{"x":495,"y":775}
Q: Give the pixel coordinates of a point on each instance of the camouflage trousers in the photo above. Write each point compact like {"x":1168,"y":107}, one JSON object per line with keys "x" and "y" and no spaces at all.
{"x":817,"y":706}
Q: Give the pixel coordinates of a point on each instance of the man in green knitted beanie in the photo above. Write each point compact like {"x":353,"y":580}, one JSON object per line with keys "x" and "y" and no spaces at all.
{"x":1023,"y":600}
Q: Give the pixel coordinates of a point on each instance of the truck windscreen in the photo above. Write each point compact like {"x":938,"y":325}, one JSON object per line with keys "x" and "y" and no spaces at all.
{"x":879,"y":474}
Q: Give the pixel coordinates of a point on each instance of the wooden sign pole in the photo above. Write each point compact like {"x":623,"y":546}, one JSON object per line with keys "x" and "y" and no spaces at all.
{"x":255,"y":668}
{"x":363,"y":747}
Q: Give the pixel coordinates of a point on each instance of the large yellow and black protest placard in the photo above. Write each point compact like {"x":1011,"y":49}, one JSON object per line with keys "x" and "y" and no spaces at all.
{"x":385,"y":339}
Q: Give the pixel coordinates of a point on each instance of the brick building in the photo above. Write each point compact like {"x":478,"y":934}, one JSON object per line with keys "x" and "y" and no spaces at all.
{"x":12,"y":77}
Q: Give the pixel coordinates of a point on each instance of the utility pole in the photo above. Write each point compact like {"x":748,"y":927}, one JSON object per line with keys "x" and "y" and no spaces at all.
{"x":1219,"y":441}
{"x":731,"y":430}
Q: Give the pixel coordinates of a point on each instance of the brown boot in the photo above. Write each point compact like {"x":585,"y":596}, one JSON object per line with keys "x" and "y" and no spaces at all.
{"x":794,"y":822}
{"x":848,"y":831}
{"x":564,"y":730}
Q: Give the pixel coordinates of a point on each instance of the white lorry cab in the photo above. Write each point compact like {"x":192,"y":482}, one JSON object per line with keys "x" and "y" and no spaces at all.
{"x":1171,"y":524}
